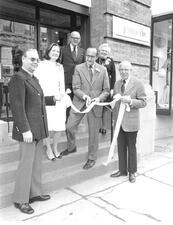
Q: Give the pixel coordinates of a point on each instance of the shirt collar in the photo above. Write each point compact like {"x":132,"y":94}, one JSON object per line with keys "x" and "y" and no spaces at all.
{"x":31,"y":74}
{"x":72,"y":47}
{"x":127,"y":81}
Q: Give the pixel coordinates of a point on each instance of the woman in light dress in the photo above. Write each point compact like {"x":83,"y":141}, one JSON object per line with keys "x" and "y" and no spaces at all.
{"x":51,"y":78}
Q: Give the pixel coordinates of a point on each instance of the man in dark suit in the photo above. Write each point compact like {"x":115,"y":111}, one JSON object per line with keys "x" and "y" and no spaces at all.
{"x":29,"y":128}
{"x":72,"y":55}
{"x":105,"y":60}
{"x":90,"y":83}
{"x":133,"y":93}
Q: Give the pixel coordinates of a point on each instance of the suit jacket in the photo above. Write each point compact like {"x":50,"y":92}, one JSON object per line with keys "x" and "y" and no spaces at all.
{"x":69,"y":63}
{"x":136,"y":91}
{"x":83,"y":86}
{"x":28,"y":106}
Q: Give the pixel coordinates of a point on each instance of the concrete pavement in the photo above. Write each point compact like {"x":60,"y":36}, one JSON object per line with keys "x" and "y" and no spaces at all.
{"x":110,"y":201}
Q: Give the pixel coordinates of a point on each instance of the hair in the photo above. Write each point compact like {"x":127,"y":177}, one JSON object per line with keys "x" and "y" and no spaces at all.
{"x":105,"y":45}
{"x":74,"y":32}
{"x":49,"y":48}
{"x":29,"y":50}
{"x":92,"y":49}
{"x":125,"y":62}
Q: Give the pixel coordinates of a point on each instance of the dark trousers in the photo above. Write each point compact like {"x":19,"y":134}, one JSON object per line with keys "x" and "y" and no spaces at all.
{"x":127,"y":151}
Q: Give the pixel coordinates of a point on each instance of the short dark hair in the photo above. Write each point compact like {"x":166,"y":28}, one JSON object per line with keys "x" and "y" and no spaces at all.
{"x":49,"y":48}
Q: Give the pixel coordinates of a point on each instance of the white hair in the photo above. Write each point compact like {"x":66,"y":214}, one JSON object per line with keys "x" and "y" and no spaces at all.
{"x":105,"y":45}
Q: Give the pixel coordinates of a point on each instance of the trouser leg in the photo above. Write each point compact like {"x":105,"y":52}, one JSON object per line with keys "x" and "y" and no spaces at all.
{"x":104,"y":118}
{"x":36,"y":188}
{"x":71,"y":128}
{"x":24,"y":172}
{"x":122,"y":151}
{"x":132,"y":155}
{"x":93,"y":127}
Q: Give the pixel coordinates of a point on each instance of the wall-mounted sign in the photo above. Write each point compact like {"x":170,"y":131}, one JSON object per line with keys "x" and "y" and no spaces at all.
{"x":130,"y":31}
{"x":82,"y":2}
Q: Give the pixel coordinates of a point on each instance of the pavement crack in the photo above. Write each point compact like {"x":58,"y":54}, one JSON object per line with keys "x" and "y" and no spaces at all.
{"x":143,"y":214}
{"x":86,"y":197}
{"x":159,"y":181}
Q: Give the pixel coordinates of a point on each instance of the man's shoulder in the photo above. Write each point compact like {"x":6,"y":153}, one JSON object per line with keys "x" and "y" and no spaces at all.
{"x":81,"y":66}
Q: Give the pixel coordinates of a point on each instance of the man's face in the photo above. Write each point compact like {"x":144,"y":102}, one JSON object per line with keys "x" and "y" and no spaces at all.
{"x":103,"y":53}
{"x":30,"y":61}
{"x":91,"y":56}
{"x":75,"y":38}
{"x":125,"y":70}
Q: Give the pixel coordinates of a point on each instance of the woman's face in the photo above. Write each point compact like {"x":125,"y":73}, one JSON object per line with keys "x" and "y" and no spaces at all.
{"x":54,"y":53}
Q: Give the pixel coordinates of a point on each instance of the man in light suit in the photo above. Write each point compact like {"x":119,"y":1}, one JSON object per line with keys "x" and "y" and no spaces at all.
{"x":72,"y":55}
{"x":133,"y":93}
{"x":29,"y":128}
{"x":90,"y":83}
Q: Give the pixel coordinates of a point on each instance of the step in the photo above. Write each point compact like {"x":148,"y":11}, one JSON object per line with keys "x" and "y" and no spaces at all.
{"x":7,"y":170}
{"x":11,"y":153}
{"x":58,"y":178}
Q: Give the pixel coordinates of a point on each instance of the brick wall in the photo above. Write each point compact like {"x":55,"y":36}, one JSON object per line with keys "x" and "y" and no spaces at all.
{"x":102,"y":12}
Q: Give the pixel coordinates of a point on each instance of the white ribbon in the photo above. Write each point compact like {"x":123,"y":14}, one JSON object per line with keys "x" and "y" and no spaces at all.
{"x":123,"y":107}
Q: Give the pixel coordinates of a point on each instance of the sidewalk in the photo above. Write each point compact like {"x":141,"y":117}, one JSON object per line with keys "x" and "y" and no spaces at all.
{"x":110,"y":201}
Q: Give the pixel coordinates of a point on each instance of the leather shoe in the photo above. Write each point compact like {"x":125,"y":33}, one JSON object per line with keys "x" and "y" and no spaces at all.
{"x":67,"y":152}
{"x":118,"y":174}
{"x":132,"y":178}
{"x":90,"y":163}
{"x":24,"y":207}
{"x":39,"y":198}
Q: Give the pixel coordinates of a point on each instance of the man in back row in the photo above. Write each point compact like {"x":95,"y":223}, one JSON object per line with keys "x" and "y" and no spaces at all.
{"x":72,"y":55}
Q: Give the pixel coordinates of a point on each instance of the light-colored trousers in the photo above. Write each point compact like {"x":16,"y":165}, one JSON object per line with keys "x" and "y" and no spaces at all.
{"x":28,"y":175}
{"x":93,"y":128}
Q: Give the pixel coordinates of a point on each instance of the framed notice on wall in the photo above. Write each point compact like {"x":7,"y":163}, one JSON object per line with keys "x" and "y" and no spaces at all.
{"x":155,"y":63}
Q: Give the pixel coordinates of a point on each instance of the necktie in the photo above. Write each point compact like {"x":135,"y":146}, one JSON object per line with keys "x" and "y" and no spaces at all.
{"x":91,"y":73}
{"x":123,"y":87}
{"x":74,"y":52}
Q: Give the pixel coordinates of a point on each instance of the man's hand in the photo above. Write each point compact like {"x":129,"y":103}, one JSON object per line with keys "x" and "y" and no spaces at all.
{"x":27,"y":137}
{"x":87,"y":99}
{"x":96,"y":100}
{"x":126,"y":99}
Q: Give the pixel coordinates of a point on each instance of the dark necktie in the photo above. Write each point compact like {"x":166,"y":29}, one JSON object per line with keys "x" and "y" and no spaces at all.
{"x":123,"y":87}
{"x":74,"y":52}
{"x":91,"y":73}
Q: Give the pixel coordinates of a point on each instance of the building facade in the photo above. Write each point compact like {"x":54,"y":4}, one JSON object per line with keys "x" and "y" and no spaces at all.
{"x":124,"y":24}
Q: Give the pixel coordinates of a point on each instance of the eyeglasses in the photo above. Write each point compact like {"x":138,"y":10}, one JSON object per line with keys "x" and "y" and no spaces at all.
{"x":75,"y":38}
{"x":34,"y":59}
{"x":91,"y":56}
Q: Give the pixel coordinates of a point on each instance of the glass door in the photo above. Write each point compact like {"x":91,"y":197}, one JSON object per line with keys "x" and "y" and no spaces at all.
{"x":162,"y":65}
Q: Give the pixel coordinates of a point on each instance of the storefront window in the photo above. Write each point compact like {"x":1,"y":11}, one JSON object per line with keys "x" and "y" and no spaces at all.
{"x":161,"y":65}
{"x":51,"y":35}
{"x":14,"y":38}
